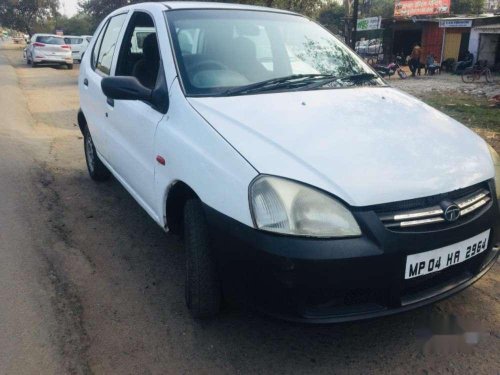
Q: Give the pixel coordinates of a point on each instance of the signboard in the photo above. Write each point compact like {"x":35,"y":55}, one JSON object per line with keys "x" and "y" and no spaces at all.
{"x":409,"y":8}
{"x":370,"y":23}
{"x":455,"y":23}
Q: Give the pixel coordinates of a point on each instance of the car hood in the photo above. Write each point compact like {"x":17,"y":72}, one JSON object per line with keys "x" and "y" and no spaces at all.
{"x":365,"y":145}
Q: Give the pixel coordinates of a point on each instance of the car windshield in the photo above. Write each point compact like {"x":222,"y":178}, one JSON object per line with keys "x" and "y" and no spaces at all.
{"x":70,"y":40}
{"x":49,"y":39}
{"x":227,"y":52}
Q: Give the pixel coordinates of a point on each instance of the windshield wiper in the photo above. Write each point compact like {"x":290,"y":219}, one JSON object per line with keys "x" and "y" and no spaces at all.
{"x":354,"y":78}
{"x":276,"y":83}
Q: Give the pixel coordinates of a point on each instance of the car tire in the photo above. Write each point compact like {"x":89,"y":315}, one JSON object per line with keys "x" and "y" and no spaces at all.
{"x":97,"y":170}
{"x":70,"y":66}
{"x":203,"y":288}
{"x":34,"y":64}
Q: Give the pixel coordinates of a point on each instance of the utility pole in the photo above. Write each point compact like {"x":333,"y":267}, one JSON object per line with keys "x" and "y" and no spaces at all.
{"x":354,"y":29}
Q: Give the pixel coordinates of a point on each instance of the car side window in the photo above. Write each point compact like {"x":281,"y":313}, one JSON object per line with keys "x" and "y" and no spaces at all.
{"x":139,"y":55}
{"x":108,"y":44}
{"x":97,"y":45}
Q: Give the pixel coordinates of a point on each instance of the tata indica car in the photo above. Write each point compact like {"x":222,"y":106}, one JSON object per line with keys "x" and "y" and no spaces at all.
{"x":48,"y":49}
{"x":301,"y":182}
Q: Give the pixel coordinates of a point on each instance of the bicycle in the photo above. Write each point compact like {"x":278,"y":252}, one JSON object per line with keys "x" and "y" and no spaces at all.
{"x":475,"y":72}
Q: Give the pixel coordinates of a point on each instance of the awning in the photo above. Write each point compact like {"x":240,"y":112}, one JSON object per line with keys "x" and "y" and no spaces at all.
{"x":490,"y":29}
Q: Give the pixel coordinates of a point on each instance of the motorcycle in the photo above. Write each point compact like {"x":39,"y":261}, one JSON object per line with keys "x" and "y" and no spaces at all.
{"x":390,"y":69}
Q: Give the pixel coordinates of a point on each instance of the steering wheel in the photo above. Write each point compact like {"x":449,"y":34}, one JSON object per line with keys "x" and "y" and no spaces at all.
{"x":207,"y":65}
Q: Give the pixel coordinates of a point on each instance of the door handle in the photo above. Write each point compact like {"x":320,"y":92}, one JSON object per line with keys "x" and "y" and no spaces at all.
{"x":110,"y":101}
{"x":86,"y":82}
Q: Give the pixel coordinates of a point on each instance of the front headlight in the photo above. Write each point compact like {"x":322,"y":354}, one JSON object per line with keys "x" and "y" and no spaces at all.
{"x":496,"y":163}
{"x":284,"y":206}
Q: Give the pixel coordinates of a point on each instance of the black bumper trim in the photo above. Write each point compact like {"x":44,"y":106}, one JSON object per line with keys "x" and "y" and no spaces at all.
{"x":338,"y":280}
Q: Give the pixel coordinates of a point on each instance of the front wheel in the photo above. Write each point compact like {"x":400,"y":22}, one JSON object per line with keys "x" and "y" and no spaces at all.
{"x":97,"y":170}
{"x":468,"y":75}
{"x":203,"y":288}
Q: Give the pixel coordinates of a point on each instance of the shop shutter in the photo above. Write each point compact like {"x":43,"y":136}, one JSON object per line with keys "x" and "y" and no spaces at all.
{"x":452,"y":45}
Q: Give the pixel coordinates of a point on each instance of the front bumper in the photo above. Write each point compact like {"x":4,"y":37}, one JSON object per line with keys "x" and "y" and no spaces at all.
{"x":337,"y":280}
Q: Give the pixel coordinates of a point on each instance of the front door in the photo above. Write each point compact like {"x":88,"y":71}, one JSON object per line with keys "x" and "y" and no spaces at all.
{"x":132,"y":124}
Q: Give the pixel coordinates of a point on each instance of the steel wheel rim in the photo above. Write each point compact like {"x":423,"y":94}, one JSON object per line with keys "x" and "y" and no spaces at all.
{"x":89,"y":153}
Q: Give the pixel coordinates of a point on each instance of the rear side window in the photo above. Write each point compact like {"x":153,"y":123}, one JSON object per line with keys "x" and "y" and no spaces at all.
{"x":73,"y":40}
{"x":48,"y":39}
{"x":107,"y":46}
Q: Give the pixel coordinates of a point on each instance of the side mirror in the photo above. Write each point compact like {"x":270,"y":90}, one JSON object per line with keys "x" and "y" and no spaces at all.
{"x":125,"y":88}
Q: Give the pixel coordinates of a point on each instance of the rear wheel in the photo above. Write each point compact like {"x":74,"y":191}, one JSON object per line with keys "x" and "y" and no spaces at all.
{"x":488,"y":75}
{"x":468,"y":75}
{"x":97,"y":170}
{"x":203,"y":288}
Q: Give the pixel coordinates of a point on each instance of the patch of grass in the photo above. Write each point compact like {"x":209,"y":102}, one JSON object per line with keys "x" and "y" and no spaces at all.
{"x":475,"y":112}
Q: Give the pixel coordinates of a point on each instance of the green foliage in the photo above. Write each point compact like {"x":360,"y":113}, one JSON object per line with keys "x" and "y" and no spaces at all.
{"x":98,"y":9}
{"x":467,"y":6}
{"x":331,"y":16}
{"x":27,"y":15}
{"x":375,"y":8}
{"x":80,"y":24}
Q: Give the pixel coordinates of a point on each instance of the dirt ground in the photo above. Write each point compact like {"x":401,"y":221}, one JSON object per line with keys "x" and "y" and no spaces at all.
{"x":90,"y":284}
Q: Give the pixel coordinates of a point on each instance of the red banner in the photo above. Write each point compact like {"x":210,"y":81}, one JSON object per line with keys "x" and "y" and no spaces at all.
{"x":408,"y":8}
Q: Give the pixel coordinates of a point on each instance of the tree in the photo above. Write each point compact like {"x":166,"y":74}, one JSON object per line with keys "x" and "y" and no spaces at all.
{"x":98,"y":9}
{"x":332,"y":16}
{"x":382,"y":8}
{"x":27,"y":15}
{"x":80,"y":24}
{"x":467,"y":6}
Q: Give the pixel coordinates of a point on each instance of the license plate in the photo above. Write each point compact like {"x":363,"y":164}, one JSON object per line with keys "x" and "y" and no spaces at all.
{"x":437,"y":260}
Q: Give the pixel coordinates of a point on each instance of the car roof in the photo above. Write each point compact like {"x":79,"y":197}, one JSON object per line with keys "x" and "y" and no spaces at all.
{"x":57,"y":36}
{"x":176,"y":5}
{"x":214,"y":5}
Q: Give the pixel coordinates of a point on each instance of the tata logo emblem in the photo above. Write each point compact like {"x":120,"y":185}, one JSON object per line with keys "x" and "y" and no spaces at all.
{"x":452,"y":212}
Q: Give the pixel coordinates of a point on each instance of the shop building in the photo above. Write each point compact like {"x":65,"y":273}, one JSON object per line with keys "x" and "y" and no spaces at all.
{"x":485,"y":44}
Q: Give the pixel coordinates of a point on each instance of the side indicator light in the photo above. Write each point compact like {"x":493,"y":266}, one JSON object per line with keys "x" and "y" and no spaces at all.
{"x":160,"y":159}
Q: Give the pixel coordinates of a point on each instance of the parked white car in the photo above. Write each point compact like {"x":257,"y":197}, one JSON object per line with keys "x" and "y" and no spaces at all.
{"x":48,"y":49}
{"x":319,"y":194}
{"x":78,"y":45}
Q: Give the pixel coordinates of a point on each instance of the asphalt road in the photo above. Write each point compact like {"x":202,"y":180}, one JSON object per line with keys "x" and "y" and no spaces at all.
{"x":90,"y":284}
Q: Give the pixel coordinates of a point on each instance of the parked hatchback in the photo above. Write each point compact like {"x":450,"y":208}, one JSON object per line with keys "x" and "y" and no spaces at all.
{"x":301,"y":182}
{"x":48,"y":49}
{"x":78,"y":45}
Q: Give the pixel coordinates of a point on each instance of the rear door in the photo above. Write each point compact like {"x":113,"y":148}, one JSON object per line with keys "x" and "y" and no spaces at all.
{"x":93,"y":101}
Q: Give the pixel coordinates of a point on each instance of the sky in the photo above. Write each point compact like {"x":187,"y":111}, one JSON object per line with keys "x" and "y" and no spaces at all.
{"x":69,"y":7}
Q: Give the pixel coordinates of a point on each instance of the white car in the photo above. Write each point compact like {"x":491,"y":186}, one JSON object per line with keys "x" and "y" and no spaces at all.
{"x":78,"y":45}
{"x":312,"y":191}
{"x":48,"y":49}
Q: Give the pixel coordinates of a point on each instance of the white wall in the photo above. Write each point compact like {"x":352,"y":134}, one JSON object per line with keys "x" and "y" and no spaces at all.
{"x":474,"y":43}
{"x":487,"y":47}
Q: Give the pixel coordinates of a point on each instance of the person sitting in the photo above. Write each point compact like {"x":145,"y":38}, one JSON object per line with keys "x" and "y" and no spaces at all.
{"x":430,"y":65}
